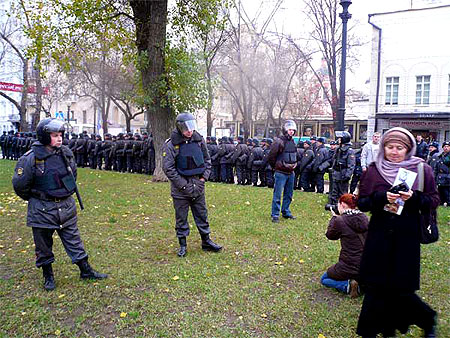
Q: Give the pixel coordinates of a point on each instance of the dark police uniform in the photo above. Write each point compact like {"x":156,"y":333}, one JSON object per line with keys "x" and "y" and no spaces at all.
{"x":343,"y":166}
{"x":185,"y":162}
{"x":443,"y":176}
{"x":42,"y":178}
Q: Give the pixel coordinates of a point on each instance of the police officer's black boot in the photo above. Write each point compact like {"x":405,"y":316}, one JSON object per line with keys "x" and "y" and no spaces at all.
{"x":49,"y":278}
{"x":183,"y":247}
{"x":86,"y":271}
{"x":209,"y":245}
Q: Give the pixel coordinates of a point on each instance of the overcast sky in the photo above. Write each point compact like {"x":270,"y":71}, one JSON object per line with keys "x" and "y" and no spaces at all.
{"x":289,"y":20}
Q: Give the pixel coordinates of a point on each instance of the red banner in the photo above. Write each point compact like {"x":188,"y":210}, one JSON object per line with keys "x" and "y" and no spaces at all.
{"x":13,"y":87}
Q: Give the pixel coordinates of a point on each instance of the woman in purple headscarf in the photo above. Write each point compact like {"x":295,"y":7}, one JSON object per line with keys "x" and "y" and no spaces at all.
{"x":390,"y":265}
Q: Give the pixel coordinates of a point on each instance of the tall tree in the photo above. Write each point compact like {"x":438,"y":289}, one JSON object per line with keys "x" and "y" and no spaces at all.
{"x":327,"y":33}
{"x":7,"y":35}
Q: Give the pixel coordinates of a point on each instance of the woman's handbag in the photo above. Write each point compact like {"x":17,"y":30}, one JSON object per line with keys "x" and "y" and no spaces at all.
{"x":429,"y":232}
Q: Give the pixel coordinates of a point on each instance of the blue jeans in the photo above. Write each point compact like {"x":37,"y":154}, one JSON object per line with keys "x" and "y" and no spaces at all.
{"x":340,"y":285}
{"x":283,"y":183}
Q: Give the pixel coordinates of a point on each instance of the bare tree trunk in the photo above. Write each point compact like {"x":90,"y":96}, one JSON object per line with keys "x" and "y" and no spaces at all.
{"x":150,"y":18}
{"x":23,"y":102}
{"x":37,"y":113}
{"x":209,"y":120}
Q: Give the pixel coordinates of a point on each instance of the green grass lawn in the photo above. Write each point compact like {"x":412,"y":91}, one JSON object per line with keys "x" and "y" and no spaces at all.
{"x":265,"y":283}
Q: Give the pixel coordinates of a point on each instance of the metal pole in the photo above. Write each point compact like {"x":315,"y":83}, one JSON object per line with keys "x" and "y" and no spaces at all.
{"x":345,"y":16}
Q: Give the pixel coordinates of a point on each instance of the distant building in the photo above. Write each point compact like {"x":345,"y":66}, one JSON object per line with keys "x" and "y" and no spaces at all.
{"x":410,"y":74}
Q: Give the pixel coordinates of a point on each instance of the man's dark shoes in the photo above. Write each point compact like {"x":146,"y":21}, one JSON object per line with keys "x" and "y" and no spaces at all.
{"x":49,"y":279}
{"x":209,"y":245}
{"x":86,"y":271}
{"x":183,"y":247}
{"x":275,"y":220}
{"x":289,"y":217}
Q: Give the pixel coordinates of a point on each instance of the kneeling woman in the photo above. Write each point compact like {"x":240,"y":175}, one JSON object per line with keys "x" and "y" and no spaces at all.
{"x":351,"y":228}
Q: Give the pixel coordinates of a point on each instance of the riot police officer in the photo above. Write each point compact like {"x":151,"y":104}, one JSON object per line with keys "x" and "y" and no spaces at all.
{"x":213,"y":150}
{"x":3,"y":144}
{"x":106,"y":148}
{"x":443,"y":174}
{"x":343,"y":166}
{"x":239,"y":159}
{"x":255,"y":161}
{"x":187,"y":165}
{"x":320,"y":164}
{"x":305,"y":166}
{"x":46,"y":177}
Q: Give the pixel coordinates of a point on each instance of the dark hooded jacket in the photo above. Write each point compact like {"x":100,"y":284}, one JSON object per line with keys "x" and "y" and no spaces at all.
{"x":351,"y":229}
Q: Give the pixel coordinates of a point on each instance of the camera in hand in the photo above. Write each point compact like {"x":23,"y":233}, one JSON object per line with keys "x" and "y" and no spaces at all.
{"x":399,"y":187}
{"x":333,"y":207}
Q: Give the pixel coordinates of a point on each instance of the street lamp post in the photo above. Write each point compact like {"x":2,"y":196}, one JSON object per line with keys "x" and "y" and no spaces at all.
{"x":345,"y":15}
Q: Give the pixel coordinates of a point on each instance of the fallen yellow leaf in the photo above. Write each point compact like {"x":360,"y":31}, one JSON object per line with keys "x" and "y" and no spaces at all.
{"x":57,"y":332}
{"x":61,"y":295}
{"x":123,"y":314}
{"x":175,"y":278}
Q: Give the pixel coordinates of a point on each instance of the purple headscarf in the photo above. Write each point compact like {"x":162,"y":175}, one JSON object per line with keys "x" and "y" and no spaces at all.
{"x":388,"y":170}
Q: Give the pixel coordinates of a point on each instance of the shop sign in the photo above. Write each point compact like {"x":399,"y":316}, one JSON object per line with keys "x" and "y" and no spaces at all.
{"x":419,"y":124}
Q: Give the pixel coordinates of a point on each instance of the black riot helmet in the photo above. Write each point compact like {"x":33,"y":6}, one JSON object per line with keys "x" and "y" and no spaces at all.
{"x":344,"y":136}
{"x":47,"y":126}
{"x":289,"y":124}
{"x":186,"y":122}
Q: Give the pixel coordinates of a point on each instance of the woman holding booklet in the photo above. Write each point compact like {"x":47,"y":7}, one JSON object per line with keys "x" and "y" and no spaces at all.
{"x":390,"y":264}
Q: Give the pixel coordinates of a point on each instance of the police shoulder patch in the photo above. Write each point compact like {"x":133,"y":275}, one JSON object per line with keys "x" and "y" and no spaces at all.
{"x":19,"y":171}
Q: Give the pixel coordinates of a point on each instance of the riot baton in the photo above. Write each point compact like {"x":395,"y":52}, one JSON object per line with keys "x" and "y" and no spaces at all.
{"x":69,"y":170}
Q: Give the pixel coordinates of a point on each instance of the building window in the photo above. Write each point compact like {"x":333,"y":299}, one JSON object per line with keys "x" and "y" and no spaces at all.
{"x":448,"y":99}
{"x":392,"y":90}
{"x":423,"y":89}
{"x":84,"y":116}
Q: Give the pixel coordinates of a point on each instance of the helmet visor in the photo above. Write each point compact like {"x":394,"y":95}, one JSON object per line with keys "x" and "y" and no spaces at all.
{"x":189,"y":125}
{"x":55,"y":126}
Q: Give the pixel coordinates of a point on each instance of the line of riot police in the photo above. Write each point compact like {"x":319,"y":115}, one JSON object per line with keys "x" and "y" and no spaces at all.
{"x":133,"y":153}
{"x":15,"y":144}
{"x":248,"y":162}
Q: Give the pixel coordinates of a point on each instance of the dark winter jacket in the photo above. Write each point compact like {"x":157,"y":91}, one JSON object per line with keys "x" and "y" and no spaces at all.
{"x":320,"y":160}
{"x":443,"y":170}
{"x":422,"y":150}
{"x":351,"y":229}
{"x":391,"y":257}
{"x":45,"y":211}
{"x":276,"y":149}
{"x":240,"y":155}
{"x":343,"y":163}
{"x":184,"y":186}
{"x":256,"y":158}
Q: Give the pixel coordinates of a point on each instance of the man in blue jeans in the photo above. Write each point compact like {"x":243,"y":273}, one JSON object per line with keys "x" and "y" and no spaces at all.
{"x":283,"y":158}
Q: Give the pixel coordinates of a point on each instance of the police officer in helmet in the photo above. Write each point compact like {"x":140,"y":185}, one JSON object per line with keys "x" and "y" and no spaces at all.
{"x":45,"y":176}
{"x":187,"y":165}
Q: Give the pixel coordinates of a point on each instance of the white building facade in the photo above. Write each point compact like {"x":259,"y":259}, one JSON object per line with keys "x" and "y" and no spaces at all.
{"x":10,"y":72}
{"x":410,"y":74}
